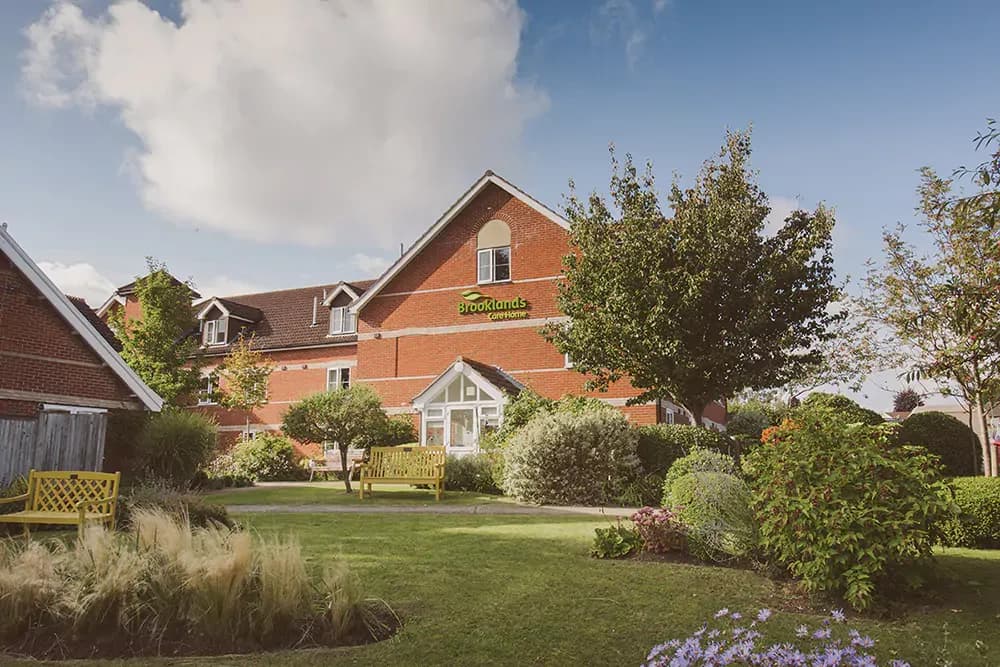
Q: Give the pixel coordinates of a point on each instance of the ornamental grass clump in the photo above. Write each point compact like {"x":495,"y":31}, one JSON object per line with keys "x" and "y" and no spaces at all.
{"x":733,"y":639}
{"x":165,"y":588}
{"x":843,"y":510}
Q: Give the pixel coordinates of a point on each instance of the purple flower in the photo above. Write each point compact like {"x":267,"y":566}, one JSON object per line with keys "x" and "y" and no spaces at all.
{"x":736,"y":616}
{"x":722,"y":612}
{"x":838,"y":615}
{"x":801,"y":631}
{"x":763,"y":615}
{"x":822,"y":634}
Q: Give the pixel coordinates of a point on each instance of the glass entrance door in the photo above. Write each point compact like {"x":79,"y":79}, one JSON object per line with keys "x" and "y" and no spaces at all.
{"x":461,"y":428}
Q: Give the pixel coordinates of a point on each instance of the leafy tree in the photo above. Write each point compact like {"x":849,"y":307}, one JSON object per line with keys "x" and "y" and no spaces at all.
{"x":245,"y":372}
{"x":906,"y":400}
{"x":700,"y":305}
{"x":350,"y":417}
{"x":157,"y":345}
{"x":942,"y":309}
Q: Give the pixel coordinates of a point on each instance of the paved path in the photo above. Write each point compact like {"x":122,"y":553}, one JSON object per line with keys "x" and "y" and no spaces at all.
{"x":491,"y":508}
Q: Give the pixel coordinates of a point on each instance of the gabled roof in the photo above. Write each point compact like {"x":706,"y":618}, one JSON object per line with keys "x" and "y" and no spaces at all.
{"x":95,"y":321}
{"x":351,"y":290}
{"x":487,"y":179}
{"x":232,"y":308}
{"x":129,"y":288}
{"x":491,"y":379}
{"x":78,"y":321}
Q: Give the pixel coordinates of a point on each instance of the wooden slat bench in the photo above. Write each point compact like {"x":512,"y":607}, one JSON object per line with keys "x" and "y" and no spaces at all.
{"x":66,"y":497}
{"x":331,"y":462}
{"x":406,"y":464}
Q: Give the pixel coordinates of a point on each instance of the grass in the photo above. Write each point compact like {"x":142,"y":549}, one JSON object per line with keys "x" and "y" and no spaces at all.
{"x":502,"y":590}
{"x":332,"y":493}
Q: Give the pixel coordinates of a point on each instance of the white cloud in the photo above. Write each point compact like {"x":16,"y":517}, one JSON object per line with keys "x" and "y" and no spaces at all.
{"x":370,"y":266}
{"x":312,"y":121}
{"x":221,"y":285}
{"x":781,"y":208}
{"x":80,"y":279}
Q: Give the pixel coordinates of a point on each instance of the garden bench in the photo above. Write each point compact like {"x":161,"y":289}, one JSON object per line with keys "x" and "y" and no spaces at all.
{"x":331,"y":462}
{"x":66,"y":497}
{"x":406,"y":464}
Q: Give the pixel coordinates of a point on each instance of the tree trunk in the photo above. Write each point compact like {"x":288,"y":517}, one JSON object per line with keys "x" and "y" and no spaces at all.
{"x":989,"y":453}
{"x":343,"y":464}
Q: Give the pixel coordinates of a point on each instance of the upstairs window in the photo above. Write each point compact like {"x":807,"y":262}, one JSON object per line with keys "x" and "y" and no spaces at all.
{"x":342,"y":321}
{"x":338,"y":378}
{"x":493,"y":252}
{"x":494,"y":265}
{"x":215,"y":331}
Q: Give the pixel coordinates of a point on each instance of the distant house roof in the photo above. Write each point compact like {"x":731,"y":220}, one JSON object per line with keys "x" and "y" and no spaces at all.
{"x":78,"y":320}
{"x":129,"y":288}
{"x":95,"y":321}
{"x":284,"y":318}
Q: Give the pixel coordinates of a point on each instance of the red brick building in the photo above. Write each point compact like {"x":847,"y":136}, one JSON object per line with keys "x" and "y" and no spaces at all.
{"x":445,"y":334}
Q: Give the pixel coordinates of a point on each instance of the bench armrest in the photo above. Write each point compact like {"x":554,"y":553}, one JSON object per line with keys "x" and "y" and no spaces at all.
{"x":14,"y":499}
{"x":84,"y":504}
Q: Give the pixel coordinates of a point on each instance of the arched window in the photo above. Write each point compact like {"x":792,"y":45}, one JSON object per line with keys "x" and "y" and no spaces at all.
{"x":493,"y":252}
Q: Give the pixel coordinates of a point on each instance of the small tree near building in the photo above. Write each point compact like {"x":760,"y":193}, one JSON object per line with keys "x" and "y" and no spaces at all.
{"x":350,"y":417}
{"x":244,"y":373}
{"x":701,"y":305}
{"x":906,"y":400}
{"x":158,"y":346}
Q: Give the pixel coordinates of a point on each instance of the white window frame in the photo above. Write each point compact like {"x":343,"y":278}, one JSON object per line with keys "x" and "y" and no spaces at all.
{"x":205,"y":395}
{"x":490,"y":254}
{"x":348,"y":321}
{"x":335,"y":375}
{"x":213,"y":328}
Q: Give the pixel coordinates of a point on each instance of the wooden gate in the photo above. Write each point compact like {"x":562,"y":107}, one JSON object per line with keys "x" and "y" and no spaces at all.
{"x":53,"y":441}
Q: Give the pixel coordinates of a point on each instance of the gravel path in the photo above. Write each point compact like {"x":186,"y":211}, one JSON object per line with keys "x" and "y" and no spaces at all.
{"x":493,"y":509}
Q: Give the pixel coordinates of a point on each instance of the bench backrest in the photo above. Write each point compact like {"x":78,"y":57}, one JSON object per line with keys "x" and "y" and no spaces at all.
{"x":332,"y":457}
{"x":405,"y":461}
{"x":61,"y":490}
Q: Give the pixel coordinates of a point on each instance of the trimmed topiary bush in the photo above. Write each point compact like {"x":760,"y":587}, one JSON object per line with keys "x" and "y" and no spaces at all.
{"x":266,"y":457}
{"x":849,"y":410}
{"x":175,"y":444}
{"x":845,"y":512}
{"x":716,"y":510}
{"x":470,"y":473}
{"x":978,"y":522}
{"x":564,"y":458}
{"x":699,"y":460}
{"x":948,"y":438}
{"x":660,"y":445}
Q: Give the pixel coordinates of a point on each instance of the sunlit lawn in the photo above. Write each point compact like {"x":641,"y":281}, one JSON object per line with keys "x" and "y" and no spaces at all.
{"x":332,"y":493}
{"x":500,"y":590}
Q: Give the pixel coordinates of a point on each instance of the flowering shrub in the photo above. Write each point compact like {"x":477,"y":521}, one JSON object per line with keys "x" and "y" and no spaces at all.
{"x":728,"y":641}
{"x":660,"y":529}
{"x":843,"y":511}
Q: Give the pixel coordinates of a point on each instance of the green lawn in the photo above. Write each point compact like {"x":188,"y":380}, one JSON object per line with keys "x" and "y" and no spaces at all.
{"x":332,"y":493}
{"x":502,"y":590}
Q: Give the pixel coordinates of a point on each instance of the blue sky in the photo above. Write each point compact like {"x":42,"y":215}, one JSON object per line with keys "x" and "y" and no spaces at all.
{"x":846,"y":100}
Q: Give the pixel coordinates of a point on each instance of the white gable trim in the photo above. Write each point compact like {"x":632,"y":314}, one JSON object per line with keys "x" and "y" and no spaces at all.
{"x":114,"y":298}
{"x":76,"y":319}
{"x":340,"y":288}
{"x":225,"y":311}
{"x":459,"y":367}
{"x":443,"y":221}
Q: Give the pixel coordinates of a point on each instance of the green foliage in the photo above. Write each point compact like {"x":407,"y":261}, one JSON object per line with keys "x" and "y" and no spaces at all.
{"x":178,"y":504}
{"x":157,"y":345}
{"x":16,"y":488}
{"x":716,"y":510}
{"x":519,"y":410}
{"x":350,"y":418}
{"x":615,"y":541}
{"x":700,"y":305}
{"x":398,"y":430}
{"x":660,"y":445}
{"x":245,"y":373}
{"x":567,"y":458}
{"x":748,"y":419}
{"x":470,"y":473}
{"x":978,"y":522}
{"x":699,"y":460}
{"x":175,"y":444}
{"x":952,"y":441}
{"x":642,"y":491}
{"x":661,"y":530}
{"x":845,"y":512}
{"x":266,"y":457}
{"x":842,"y":405}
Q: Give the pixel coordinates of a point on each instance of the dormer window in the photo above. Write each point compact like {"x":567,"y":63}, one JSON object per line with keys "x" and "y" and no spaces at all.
{"x":342,"y":321}
{"x":215,"y":331}
{"x":493,"y":253}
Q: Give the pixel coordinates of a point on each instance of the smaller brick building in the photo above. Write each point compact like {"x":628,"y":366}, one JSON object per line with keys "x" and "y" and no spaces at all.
{"x":445,"y":335}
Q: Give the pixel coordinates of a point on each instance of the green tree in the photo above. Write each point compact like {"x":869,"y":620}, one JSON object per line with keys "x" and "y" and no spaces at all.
{"x":350,"y":417}
{"x":703,"y":304}
{"x":941,"y":309}
{"x":157,"y":345}
{"x":245,"y":372}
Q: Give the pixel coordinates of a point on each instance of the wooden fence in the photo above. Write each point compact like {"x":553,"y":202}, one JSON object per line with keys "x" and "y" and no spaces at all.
{"x":53,"y":441}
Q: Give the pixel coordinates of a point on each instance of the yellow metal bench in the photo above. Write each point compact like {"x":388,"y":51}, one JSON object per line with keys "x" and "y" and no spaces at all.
{"x":66,"y":497}
{"x":406,"y":464}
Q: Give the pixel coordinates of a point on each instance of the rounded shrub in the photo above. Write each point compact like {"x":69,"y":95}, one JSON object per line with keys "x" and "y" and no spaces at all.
{"x":948,"y":438}
{"x":566,"y":458}
{"x":848,"y":409}
{"x":715,"y":509}
{"x":844,"y":512}
{"x":266,"y":457}
{"x":398,"y":431}
{"x":699,"y":460}
{"x":659,"y":445}
{"x":470,"y":473}
{"x":175,"y":444}
{"x":978,"y":522}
